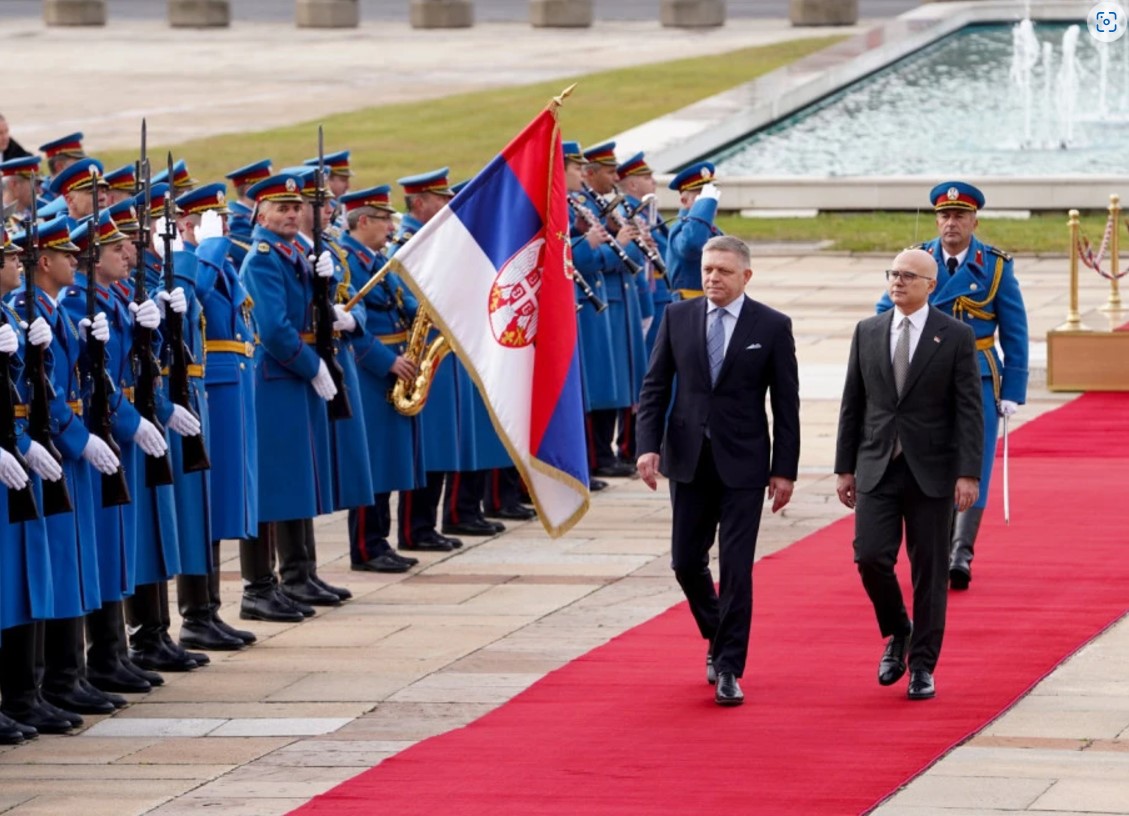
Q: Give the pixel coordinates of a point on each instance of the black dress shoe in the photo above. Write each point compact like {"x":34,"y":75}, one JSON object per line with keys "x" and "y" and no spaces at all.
{"x":180,"y":653}
{"x":116,"y":678}
{"x":341,"y":592}
{"x":513,"y":512}
{"x":150,"y":677}
{"x":116,"y":699}
{"x":472,"y":527}
{"x":498,"y":526}
{"x":711,"y":672}
{"x":921,"y":685}
{"x":247,"y":637}
{"x":620,"y":470}
{"x":154,"y":657}
{"x":202,"y":633}
{"x":893,"y":663}
{"x":405,"y":559}
{"x":728,"y":692}
{"x":41,"y":719}
{"x":596,"y":485}
{"x":13,"y":733}
{"x":310,"y":594}
{"x":431,"y":543}
{"x":959,"y":579}
{"x":385,"y":562}
{"x":75,"y":701}
{"x":70,"y":716}
{"x":269,"y":606}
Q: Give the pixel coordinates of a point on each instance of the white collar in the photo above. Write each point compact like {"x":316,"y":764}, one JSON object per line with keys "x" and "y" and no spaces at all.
{"x":733,"y":308}
{"x":917,"y":319}
{"x":960,"y":257}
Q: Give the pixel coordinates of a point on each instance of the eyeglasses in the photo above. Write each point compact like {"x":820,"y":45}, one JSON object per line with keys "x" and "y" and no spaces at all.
{"x":908,"y":277}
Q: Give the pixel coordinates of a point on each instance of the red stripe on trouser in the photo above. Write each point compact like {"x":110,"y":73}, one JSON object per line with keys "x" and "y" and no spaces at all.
{"x":626,"y":429}
{"x":406,"y":518}
{"x":453,"y":498}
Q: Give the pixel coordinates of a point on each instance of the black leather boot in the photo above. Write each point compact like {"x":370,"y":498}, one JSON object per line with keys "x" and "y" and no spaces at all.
{"x":197,"y":629}
{"x":965,"y":527}
{"x":214,"y":602}
{"x":261,"y":598}
{"x":146,"y":646}
{"x":63,"y":669}
{"x":312,"y":564}
{"x":171,"y":645}
{"x":290,"y":538}
{"x":23,"y":712}
{"x":105,"y":634}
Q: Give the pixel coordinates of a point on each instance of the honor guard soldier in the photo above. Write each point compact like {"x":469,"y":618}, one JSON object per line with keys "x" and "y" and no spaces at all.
{"x":395,"y":444}
{"x":121,"y":184}
{"x":698,"y":196}
{"x":26,"y":590}
{"x":182,"y":180}
{"x":340,"y":176}
{"x":77,"y":185}
{"x":637,"y":180}
{"x":976,"y":284}
{"x":21,"y":183}
{"x":425,"y":195}
{"x":239,"y":222}
{"x":622,"y":261}
{"x":292,"y":387}
{"x":62,"y":153}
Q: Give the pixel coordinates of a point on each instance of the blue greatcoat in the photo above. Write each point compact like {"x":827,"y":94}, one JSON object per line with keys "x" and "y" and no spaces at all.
{"x":442,"y":435}
{"x":984,"y":293}
{"x":352,"y":474}
{"x":684,"y":248}
{"x":71,"y":536}
{"x":658,"y":286}
{"x":395,"y":444}
{"x":229,"y":380}
{"x":594,"y":334}
{"x":26,"y":588}
{"x":116,"y":527}
{"x":295,"y":471}
{"x":193,"y":504}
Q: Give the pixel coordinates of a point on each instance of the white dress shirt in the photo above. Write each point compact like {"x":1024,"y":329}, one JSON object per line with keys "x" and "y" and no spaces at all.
{"x":729,"y":323}
{"x":960,"y":257}
{"x":917,"y":325}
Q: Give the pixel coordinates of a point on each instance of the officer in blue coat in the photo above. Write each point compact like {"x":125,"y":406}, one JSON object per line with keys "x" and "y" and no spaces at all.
{"x":637,"y":181}
{"x":292,"y":387}
{"x":77,"y":185}
{"x":239,"y":223}
{"x":698,"y":196}
{"x":121,"y":184}
{"x":339,"y":176}
{"x":425,"y":195}
{"x":976,"y":284}
{"x":395,"y":443}
{"x":20,"y":182}
{"x":61,"y":153}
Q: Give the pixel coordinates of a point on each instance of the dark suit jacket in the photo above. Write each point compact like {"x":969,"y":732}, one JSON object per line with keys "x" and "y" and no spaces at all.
{"x":939,"y":418}
{"x":761,"y":358}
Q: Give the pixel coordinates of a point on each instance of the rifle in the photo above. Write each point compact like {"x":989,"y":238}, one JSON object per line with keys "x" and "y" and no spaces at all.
{"x":146,"y":367}
{"x":22,"y":505}
{"x":115,"y":486}
{"x":339,"y":407}
{"x":194,"y":455}
{"x":56,"y":496}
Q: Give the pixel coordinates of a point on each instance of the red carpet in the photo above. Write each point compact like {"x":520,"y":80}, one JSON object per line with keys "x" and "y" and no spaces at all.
{"x":630,"y":728}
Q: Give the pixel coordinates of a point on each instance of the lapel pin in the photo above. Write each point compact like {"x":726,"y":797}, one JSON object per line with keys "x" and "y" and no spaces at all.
{"x":936,"y":339}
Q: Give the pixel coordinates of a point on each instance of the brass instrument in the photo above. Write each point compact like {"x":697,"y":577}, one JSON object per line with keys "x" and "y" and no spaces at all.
{"x":409,"y":399}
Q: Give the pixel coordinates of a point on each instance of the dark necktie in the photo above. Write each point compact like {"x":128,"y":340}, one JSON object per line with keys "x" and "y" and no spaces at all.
{"x":952,"y":264}
{"x":901,"y":369}
{"x":715,"y":344}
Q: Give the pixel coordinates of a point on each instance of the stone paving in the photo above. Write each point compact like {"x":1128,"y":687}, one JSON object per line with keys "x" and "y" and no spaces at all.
{"x":261,"y":731}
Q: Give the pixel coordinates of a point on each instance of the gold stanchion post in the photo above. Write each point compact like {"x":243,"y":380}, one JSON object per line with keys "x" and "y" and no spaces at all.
{"x":1073,"y":318}
{"x":1113,"y":304}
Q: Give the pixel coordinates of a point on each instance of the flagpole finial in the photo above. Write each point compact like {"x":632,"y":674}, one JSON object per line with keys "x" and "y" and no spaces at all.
{"x":559,"y":99}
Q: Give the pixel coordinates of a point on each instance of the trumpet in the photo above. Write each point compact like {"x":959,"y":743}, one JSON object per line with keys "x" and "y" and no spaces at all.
{"x":580,"y":211}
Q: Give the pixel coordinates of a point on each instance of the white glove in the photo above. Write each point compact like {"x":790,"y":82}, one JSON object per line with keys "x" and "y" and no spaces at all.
{"x":147,"y":314}
{"x":175,"y":300}
{"x":40,"y":333}
{"x":98,"y":454}
{"x":184,"y":422}
{"x":323,"y":382}
{"x":44,"y":464}
{"x":343,"y":321}
{"x":9,"y":342}
{"x":100,"y":329}
{"x":149,"y":439}
{"x":159,"y":242}
{"x":323,"y":266}
{"x":11,"y":474}
{"x":647,"y":321}
{"x":1007,"y":407}
{"x":711,"y":192}
{"x":211,"y":226}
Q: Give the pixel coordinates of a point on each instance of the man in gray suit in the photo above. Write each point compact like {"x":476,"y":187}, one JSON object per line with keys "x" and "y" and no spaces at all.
{"x":909,"y":448}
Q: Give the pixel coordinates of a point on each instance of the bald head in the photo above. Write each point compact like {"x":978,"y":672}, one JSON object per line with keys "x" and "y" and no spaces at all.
{"x":910,"y":291}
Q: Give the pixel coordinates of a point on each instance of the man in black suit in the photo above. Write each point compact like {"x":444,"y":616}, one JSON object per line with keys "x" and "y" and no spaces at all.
{"x":910,"y":440}
{"x":727,"y":352}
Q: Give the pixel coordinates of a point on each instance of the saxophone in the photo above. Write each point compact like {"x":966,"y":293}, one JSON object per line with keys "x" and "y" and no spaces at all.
{"x":409,"y":399}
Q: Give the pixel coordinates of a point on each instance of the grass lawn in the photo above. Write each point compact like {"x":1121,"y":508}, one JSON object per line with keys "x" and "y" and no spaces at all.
{"x":892,"y":231}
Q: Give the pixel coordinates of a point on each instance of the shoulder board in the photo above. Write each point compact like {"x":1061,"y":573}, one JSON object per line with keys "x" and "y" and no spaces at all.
{"x":263,"y":247}
{"x":997,"y":252}
{"x":73,"y":291}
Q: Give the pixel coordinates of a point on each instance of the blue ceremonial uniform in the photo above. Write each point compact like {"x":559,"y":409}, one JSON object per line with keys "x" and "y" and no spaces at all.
{"x":229,"y":381}
{"x":691,"y":231}
{"x":984,"y":293}
{"x":239,"y":228}
{"x":295,"y":472}
{"x":658,"y":285}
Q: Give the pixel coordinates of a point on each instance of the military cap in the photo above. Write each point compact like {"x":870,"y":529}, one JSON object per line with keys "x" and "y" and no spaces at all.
{"x":157,"y":194}
{"x":26,"y":166}
{"x":107,"y":231}
{"x":77,"y":177}
{"x":56,"y":206}
{"x":181,"y":181}
{"x":308,"y":176}
{"x":434,"y":181}
{"x":572,"y":152}
{"x":635,"y":166}
{"x":379,"y":198}
{"x":283,"y":187}
{"x":336,"y":163}
{"x":69,"y":145}
{"x":9,"y":247}
{"x":250,"y":173}
{"x":458,"y":188}
{"x":209,"y":197}
{"x":603,"y":153}
{"x":54,"y":234}
{"x":124,"y":214}
{"x":124,"y":179}
{"x":956,"y":195}
{"x":694,"y":177}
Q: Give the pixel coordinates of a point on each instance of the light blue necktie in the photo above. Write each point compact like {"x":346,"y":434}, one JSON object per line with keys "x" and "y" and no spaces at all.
{"x":715,"y":343}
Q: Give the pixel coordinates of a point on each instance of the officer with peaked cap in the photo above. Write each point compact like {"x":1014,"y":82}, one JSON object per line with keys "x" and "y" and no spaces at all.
{"x":699,"y":197}
{"x":239,"y":222}
{"x":182,"y":180}
{"x":121,"y":184}
{"x":976,"y":284}
{"x":20,"y":178}
{"x":637,"y":180}
{"x":62,"y":152}
{"x":78,"y":184}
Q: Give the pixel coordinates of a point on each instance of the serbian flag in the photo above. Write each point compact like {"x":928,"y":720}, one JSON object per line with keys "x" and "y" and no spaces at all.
{"x":493,"y":270}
